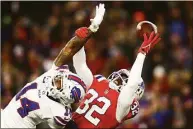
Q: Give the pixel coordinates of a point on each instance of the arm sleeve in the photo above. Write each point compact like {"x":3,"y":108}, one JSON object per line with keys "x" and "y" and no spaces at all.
{"x":79,"y":63}
{"x":127,"y":94}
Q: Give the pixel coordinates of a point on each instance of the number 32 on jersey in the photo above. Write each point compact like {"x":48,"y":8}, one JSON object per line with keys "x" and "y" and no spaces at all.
{"x":94,"y":108}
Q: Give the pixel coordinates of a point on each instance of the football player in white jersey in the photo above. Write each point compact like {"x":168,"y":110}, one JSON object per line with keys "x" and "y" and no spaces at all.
{"x":49,"y":97}
{"x":108,"y":102}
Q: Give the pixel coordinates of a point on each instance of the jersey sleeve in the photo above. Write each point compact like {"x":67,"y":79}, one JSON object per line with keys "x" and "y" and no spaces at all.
{"x":127,"y":94}
{"x":80,"y":65}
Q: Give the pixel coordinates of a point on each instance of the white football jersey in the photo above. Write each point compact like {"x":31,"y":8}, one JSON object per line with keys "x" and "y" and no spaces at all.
{"x":30,"y":106}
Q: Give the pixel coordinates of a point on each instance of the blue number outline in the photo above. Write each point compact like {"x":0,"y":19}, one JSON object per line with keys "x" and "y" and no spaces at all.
{"x":26,"y":104}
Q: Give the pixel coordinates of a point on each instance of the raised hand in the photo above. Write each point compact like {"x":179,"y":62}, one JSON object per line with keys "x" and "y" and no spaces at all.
{"x":149,"y":43}
{"x":96,"y":21}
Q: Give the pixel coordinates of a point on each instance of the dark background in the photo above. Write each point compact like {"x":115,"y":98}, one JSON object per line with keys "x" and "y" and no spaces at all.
{"x":33,"y":33}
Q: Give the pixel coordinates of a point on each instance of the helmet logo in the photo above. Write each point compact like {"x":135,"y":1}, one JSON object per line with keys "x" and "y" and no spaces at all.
{"x":75,"y":92}
{"x":78,"y":80}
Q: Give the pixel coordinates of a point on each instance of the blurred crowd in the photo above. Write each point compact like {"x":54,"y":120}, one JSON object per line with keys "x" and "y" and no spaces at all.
{"x":33,"y":33}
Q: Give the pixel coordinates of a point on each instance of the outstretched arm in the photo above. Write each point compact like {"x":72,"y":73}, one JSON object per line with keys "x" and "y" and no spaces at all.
{"x":82,"y":36}
{"x":135,"y":75}
{"x":79,"y":62}
{"x":79,"y":59}
{"x":73,"y":46}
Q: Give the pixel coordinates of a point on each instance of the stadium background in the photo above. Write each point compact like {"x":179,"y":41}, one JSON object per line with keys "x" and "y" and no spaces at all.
{"x":32,"y":34}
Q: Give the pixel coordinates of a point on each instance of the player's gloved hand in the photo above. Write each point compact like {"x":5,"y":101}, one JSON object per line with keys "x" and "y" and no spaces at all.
{"x":149,"y":43}
{"x":100,"y":11}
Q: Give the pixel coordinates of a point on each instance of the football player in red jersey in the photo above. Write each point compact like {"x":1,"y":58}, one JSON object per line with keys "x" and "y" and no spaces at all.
{"x":108,"y":102}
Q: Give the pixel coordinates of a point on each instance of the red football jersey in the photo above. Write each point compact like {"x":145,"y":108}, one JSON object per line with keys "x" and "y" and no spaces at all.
{"x":99,"y":106}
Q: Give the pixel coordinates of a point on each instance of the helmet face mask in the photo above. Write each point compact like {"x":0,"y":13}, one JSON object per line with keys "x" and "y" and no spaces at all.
{"x":117,"y":80}
{"x":57,"y":82}
{"x":65,"y":90}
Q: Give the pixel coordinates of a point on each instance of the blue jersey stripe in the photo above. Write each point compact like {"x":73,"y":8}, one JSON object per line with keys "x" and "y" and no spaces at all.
{"x":25,"y":89}
{"x":78,"y":80}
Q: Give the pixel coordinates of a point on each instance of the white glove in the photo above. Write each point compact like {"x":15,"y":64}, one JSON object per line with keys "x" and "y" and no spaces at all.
{"x":100,"y":11}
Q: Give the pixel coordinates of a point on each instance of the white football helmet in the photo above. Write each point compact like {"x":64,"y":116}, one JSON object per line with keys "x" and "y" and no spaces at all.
{"x":67,"y":88}
{"x":118,"y":79}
